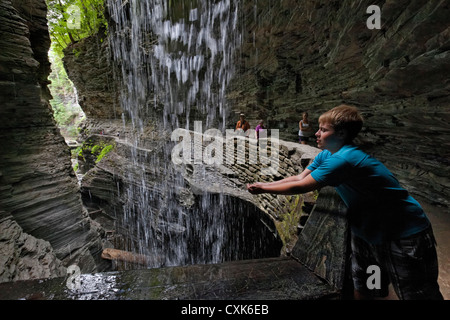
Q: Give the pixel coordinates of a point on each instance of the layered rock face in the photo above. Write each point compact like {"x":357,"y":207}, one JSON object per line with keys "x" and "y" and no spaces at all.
{"x":295,"y":57}
{"x":314,"y":55}
{"x":97,"y":91}
{"x":25,"y":257}
{"x":41,"y":214}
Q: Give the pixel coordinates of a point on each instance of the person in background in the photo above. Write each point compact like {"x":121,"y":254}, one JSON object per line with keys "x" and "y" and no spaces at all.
{"x":389,"y":228}
{"x":242,"y":126}
{"x":259,"y":128}
{"x":304,"y":129}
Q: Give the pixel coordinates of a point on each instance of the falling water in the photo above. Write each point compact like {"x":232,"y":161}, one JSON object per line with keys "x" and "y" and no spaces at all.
{"x":175,"y":60}
{"x":175,"y":55}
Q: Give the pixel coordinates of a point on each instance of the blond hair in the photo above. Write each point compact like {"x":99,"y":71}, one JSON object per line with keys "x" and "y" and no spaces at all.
{"x":344,"y":118}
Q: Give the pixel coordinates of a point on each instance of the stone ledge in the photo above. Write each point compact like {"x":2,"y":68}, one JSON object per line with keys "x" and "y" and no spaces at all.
{"x":275,"y":278}
{"x":271,"y":278}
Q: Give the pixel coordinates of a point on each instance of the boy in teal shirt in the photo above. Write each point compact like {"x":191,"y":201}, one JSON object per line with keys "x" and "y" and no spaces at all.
{"x":389,"y":227}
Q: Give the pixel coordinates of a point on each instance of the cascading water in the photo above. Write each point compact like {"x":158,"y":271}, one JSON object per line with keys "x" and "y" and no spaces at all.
{"x":180,"y":53}
{"x":175,"y":61}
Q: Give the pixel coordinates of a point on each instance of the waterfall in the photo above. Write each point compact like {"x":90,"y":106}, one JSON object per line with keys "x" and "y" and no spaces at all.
{"x":175,"y":60}
{"x":175,"y":55}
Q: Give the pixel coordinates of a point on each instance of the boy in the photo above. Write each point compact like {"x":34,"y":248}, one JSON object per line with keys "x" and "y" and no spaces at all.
{"x":389,"y":228}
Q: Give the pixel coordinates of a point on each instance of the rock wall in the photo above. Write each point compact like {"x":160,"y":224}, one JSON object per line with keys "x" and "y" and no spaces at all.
{"x":97,"y":91}
{"x":313,"y":55}
{"x":150,"y":209}
{"x":296,"y":56}
{"x":39,"y":198}
{"x":24,"y":257}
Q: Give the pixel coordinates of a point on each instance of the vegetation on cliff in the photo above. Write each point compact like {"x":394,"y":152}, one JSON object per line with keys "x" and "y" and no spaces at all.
{"x":66,"y":111}
{"x":70,"y":21}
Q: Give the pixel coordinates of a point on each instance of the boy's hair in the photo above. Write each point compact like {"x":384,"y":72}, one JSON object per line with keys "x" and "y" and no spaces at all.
{"x":344,"y":118}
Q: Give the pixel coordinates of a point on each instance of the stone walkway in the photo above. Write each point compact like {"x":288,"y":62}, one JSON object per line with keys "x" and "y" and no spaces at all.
{"x":314,"y":271}
{"x":262,"y":279}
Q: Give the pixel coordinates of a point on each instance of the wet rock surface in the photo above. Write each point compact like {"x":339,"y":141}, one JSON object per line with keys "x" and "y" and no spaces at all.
{"x":259,"y":279}
{"x":296,"y":57}
{"x":176,"y":220}
{"x":39,"y":192}
{"x":204,"y":194}
{"x":278,"y":278}
{"x":314,"y":55}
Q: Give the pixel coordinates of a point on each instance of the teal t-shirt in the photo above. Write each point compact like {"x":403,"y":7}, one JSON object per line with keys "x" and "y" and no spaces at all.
{"x":379,"y":209}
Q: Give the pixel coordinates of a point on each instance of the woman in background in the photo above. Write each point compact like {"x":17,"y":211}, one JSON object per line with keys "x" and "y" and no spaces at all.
{"x":304,"y":129}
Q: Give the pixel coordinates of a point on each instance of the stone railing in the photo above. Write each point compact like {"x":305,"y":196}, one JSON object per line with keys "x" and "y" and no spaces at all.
{"x":218,"y":164}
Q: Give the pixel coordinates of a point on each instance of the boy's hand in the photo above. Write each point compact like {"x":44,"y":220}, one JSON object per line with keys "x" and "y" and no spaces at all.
{"x":255,"y":188}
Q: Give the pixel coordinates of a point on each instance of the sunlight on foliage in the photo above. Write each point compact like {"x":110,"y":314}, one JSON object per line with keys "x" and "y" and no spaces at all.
{"x":69,"y":21}
{"x":66,"y":110}
{"x":72,"y":20}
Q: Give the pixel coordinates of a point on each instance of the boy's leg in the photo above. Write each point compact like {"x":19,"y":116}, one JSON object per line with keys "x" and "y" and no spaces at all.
{"x":413,"y":267}
{"x":364,"y":256}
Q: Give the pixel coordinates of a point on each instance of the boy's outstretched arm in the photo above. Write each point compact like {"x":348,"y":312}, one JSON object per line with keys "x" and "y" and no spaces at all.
{"x":302,"y":175}
{"x":293,"y":185}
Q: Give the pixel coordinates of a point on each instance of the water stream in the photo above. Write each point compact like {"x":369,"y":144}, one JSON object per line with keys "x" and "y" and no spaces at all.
{"x":176,"y":60}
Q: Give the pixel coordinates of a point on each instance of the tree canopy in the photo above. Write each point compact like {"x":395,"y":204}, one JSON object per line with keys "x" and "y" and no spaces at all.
{"x":72,"y":20}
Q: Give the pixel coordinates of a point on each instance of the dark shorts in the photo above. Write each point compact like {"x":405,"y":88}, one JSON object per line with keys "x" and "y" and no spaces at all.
{"x":410,"y":264}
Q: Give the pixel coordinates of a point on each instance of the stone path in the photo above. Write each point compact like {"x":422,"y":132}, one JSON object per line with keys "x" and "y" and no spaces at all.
{"x":314,"y":271}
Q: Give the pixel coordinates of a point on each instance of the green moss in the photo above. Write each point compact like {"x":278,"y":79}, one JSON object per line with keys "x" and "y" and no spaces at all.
{"x":289,"y":219}
{"x":96,"y":149}
{"x":104,"y":152}
{"x":99,"y":151}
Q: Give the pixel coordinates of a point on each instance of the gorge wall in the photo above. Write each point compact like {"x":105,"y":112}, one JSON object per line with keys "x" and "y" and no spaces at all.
{"x":295,"y":56}
{"x":43,"y":225}
{"x":310,"y":56}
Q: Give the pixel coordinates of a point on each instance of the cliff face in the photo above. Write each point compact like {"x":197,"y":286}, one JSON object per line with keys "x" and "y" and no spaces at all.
{"x":313,"y":55}
{"x":296,"y":56}
{"x":43,"y":223}
{"x":310,"y":56}
{"x":97,"y":91}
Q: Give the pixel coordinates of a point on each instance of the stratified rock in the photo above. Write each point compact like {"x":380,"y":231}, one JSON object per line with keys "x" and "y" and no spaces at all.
{"x":24,"y":257}
{"x":96,"y":89}
{"x":150,"y":209}
{"x":39,"y":191}
{"x":314,"y":55}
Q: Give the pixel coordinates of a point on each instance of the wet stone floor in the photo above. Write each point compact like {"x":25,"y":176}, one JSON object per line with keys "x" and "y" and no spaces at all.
{"x":320,"y":247}
{"x":283,"y":278}
{"x":271,"y":279}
